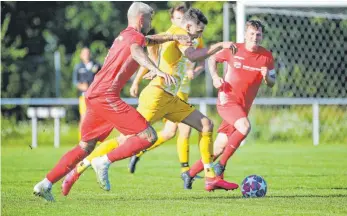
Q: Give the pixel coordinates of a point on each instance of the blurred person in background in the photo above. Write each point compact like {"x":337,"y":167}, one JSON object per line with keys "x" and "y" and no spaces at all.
{"x":83,"y":76}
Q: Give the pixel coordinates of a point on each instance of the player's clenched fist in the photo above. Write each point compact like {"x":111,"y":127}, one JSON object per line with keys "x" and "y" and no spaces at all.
{"x":264,"y":71}
{"x":217,"y":81}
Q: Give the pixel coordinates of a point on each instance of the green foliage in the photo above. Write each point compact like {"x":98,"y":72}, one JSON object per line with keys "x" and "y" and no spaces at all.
{"x":11,"y":53}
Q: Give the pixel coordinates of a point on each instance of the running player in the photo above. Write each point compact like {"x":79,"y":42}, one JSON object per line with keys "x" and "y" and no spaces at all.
{"x":105,"y":109}
{"x":246,"y":70}
{"x":170,"y":128}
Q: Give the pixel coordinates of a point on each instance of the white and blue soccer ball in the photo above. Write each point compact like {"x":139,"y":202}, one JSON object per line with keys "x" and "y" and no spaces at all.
{"x":253,"y":186}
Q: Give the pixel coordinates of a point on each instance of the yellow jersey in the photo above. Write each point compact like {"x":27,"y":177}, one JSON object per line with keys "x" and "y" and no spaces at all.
{"x":172,"y":61}
{"x":185,"y":84}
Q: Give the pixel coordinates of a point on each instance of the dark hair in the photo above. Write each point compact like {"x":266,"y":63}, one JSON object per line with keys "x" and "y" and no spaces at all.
{"x":181,"y":8}
{"x":196,"y":16}
{"x":255,"y":24}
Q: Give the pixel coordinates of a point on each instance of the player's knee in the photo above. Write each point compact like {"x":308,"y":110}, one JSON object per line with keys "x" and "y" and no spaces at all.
{"x":168,"y":134}
{"x":149,"y":134}
{"x":88,"y":146}
{"x":243,"y":126}
{"x":207,"y":125}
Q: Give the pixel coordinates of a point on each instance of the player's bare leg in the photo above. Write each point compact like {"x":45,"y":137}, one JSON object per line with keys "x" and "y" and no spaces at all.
{"x":131,"y":146}
{"x":66,"y":163}
{"x":204,"y":125}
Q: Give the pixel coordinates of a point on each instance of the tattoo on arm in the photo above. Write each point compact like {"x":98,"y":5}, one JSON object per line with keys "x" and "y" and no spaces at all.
{"x":158,"y":39}
{"x":140,"y":56}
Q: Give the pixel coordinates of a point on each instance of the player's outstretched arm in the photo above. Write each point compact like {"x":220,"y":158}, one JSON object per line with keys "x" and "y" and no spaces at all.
{"x":212,"y":66}
{"x":200,"y":54}
{"x":162,"y":38}
{"x":139,"y":55}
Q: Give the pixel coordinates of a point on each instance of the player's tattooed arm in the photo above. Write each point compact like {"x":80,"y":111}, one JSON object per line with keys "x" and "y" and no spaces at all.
{"x":139,"y":55}
{"x":162,"y":38}
{"x":201,"y":54}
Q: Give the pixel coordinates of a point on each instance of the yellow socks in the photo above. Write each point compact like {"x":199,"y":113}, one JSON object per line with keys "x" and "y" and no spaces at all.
{"x":183,"y":152}
{"x":159,"y":141}
{"x":206,"y":151}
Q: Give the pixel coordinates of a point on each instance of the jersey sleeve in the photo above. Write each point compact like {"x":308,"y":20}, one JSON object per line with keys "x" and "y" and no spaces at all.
{"x":138,"y":39}
{"x":223,"y":55}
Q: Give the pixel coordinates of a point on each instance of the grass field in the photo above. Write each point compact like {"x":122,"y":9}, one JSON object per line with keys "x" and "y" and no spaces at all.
{"x":302,"y":180}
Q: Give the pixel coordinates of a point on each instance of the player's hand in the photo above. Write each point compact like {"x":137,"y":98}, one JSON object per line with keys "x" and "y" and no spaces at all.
{"x":169,"y":80}
{"x":231,"y":46}
{"x":134,"y":90}
{"x":217,"y":82}
{"x":185,"y":40}
{"x":190,"y":74}
{"x":264,"y":71}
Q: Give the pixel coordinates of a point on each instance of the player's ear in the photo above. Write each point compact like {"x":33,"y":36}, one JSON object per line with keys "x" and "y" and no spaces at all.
{"x":188,"y":26}
{"x":141,"y":20}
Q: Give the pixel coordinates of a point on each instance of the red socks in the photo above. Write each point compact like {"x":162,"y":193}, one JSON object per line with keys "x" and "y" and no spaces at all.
{"x":66,"y":164}
{"x":131,"y":146}
{"x":234,"y":141}
{"x":198,"y":167}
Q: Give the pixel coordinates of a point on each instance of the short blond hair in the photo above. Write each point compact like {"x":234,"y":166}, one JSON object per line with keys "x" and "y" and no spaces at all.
{"x":139,"y":8}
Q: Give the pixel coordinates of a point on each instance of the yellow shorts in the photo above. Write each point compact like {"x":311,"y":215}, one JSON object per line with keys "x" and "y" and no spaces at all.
{"x":82,"y":107}
{"x":183,"y":96}
{"x":155,"y":104}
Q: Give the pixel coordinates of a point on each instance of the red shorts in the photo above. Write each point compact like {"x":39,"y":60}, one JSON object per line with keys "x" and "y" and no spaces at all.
{"x":105,"y":113}
{"x":230,"y":113}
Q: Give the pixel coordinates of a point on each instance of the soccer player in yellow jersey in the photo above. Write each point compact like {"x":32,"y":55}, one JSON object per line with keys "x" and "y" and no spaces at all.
{"x":169,"y":131}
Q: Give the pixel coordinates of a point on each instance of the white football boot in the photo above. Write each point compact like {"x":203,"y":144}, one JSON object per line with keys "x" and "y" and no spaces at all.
{"x":43,"y":189}
{"x":100,"y":166}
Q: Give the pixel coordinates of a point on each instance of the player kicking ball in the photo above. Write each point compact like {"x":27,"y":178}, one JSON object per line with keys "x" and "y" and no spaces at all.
{"x":246,"y":70}
{"x":106,"y":110}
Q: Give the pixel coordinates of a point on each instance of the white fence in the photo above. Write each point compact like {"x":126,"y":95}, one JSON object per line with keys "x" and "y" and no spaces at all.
{"x":201,"y":102}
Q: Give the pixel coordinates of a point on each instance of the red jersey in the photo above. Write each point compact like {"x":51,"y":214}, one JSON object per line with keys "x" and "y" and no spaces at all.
{"x":118,"y":67}
{"x":243,"y":76}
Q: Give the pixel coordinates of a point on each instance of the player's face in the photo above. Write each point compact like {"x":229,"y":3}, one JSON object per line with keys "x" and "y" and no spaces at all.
{"x":176,"y":18}
{"x":194,"y":30}
{"x":253,"y":36}
{"x":146,"y":23}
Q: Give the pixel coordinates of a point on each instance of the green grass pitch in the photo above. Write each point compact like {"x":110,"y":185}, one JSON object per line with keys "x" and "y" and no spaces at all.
{"x":302,"y":180}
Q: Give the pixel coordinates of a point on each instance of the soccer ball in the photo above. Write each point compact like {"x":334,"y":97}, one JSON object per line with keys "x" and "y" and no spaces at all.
{"x":253,"y":186}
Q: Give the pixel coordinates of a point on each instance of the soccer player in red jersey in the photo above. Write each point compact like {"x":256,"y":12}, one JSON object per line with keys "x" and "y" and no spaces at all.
{"x":105,"y":109}
{"x":246,"y":70}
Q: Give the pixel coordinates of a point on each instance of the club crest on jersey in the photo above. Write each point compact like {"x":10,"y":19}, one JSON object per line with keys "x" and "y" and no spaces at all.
{"x":237,"y":64}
